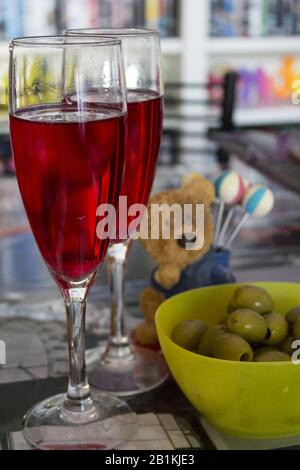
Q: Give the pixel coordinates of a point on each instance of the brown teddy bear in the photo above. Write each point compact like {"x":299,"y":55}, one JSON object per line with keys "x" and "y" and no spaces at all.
{"x":173,"y":259}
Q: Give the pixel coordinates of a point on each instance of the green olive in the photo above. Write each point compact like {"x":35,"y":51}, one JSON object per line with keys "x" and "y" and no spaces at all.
{"x":272,"y":356}
{"x":293,"y":315}
{"x":232,"y":307}
{"x":287,"y":345}
{"x":264,"y":349}
{"x":253,"y":298}
{"x":277,"y":329}
{"x":206,"y":340}
{"x":248,"y":324}
{"x":187,"y":334}
{"x":232,"y":347}
{"x":296,"y":329}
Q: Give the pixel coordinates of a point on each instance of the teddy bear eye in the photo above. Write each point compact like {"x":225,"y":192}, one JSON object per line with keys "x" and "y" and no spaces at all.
{"x":185,"y":240}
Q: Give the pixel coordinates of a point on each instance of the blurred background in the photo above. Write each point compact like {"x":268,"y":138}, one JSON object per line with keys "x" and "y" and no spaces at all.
{"x":231,"y":69}
{"x":232,"y":101}
{"x":201,"y":41}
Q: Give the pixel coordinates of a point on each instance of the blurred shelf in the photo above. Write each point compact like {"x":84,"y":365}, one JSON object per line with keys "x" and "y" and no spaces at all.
{"x":243,"y":117}
{"x":283,"y":172}
{"x":253,"y":46}
{"x":287,"y":114}
{"x":171,"y":46}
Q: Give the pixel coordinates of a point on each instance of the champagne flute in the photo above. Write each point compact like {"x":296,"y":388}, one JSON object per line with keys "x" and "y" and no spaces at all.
{"x":68,"y":116}
{"x":125,"y":369}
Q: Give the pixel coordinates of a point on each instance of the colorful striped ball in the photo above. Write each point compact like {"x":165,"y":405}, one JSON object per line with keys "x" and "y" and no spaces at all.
{"x":229,"y":187}
{"x":258,"y":201}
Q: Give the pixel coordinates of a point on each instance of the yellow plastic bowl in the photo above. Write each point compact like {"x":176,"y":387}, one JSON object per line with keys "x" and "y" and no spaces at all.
{"x":240,"y":398}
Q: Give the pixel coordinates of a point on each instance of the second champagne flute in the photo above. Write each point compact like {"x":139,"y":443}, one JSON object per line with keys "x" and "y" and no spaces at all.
{"x":125,"y":369}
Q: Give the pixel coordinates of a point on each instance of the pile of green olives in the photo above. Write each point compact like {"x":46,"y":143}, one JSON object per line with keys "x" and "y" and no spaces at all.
{"x":251,"y":331}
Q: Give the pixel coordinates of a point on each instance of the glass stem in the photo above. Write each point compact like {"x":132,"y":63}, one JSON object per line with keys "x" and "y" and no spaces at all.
{"x":78,"y":406}
{"x":119,"y":348}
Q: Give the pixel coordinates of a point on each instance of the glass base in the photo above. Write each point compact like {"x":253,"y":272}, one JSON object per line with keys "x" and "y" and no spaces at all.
{"x":45,"y":427}
{"x":144,"y":371}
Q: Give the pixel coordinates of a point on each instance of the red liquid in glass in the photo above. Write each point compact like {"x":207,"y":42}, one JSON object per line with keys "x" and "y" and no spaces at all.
{"x":65,"y":170}
{"x":145,"y":119}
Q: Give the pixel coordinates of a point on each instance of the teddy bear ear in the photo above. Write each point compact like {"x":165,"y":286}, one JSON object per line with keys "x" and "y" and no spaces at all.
{"x":156,"y":198}
{"x":197,"y":184}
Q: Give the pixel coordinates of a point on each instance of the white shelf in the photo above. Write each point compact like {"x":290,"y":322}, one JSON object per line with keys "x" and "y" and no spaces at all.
{"x":267,"y":115}
{"x":171,"y":46}
{"x":253,"y":46}
{"x":226,"y":46}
